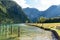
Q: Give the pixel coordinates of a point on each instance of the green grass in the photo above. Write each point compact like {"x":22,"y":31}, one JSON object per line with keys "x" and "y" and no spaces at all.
{"x":6,"y":34}
{"x":58,"y":31}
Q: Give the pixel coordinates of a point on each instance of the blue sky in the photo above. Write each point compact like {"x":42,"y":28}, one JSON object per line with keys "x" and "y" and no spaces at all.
{"x":38,"y":4}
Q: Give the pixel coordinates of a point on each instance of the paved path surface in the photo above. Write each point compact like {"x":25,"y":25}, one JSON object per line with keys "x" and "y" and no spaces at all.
{"x":34,"y":33}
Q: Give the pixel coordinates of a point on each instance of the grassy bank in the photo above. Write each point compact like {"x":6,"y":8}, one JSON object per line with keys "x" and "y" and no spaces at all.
{"x":52,"y":26}
{"x":5,"y":32}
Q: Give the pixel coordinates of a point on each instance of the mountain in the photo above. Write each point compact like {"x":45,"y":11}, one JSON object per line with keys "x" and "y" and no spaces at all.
{"x":53,"y":11}
{"x":34,"y":14}
{"x":11,"y":12}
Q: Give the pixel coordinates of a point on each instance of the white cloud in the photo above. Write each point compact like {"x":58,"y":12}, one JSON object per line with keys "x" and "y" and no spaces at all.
{"x":50,"y":2}
{"x":22,"y":3}
{"x":39,"y":4}
{"x":45,"y":4}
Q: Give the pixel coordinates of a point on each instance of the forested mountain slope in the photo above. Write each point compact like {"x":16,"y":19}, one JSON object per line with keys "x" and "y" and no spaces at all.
{"x":11,"y":12}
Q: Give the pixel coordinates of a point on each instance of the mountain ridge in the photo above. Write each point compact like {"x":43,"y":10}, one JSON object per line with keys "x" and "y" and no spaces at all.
{"x":51,"y":12}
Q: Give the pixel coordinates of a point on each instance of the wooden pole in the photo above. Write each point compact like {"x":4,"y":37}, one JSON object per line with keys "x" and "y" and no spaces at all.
{"x":11,"y":30}
{"x":18,"y":31}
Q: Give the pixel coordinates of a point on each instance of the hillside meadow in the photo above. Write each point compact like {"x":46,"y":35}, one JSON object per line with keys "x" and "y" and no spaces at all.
{"x":46,"y":24}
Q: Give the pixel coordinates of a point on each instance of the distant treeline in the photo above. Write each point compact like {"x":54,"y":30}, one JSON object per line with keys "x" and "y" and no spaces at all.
{"x":54,"y":20}
{"x":49,"y":20}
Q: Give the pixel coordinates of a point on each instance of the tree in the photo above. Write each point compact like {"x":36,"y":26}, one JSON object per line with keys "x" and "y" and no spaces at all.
{"x":42,"y":20}
{"x":26,"y":21}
